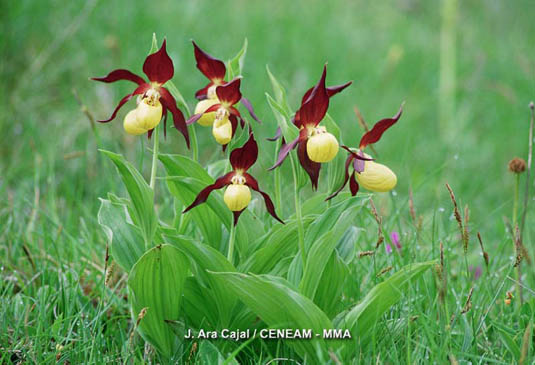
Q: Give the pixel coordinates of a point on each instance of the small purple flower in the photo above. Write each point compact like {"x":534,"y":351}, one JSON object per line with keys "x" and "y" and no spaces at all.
{"x":394,"y":237}
{"x":477,"y":271}
{"x":388,"y":249}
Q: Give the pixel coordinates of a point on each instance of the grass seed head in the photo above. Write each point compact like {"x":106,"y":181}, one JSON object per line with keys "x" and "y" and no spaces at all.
{"x":517,"y":165}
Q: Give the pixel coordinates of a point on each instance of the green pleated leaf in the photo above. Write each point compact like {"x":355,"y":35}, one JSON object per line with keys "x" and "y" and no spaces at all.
{"x":280,"y":94}
{"x":235,"y":65}
{"x":280,"y":242}
{"x":362,"y":318}
{"x":331,"y":285}
{"x":205,"y":259}
{"x":140,"y":193}
{"x":127,"y":244}
{"x":289,"y":130}
{"x":317,"y":258}
{"x":281,"y":306}
{"x":331,"y":218}
{"x":157,"y":284}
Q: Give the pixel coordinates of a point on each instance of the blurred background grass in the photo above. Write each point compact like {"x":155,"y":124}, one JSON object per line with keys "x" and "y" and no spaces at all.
{"x":391,"y":49}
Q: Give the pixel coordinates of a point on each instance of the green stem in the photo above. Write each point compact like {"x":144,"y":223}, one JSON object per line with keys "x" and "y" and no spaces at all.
{"x":515,"y":231}
{"x":300,"y":229}
{"x":156,"y":137}
{"x":194,"y":144}
{"x":515,"y":201}
{"x":232,"y":238}
{"x":277,"y":178}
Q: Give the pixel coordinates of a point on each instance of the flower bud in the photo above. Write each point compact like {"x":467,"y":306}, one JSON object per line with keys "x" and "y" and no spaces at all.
{"x":149,"y":113}
{"x":376,"y":177}
{"x":237,"y":197}
{"x":322,"y":146}
{"x":131,"y":125}
{"x":222,"y":130}
{"x":207,"y":119}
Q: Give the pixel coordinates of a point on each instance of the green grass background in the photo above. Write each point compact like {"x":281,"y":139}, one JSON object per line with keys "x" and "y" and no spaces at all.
{"x":51,"y":174}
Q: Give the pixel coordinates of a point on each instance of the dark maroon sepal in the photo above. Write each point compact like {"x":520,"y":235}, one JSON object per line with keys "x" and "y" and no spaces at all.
{"x":378,"y":129}
{"x":284,"y":151}
{"x":179,"y":122}
{"x":204,"y":193}
{"x":139,"y":90}
{"x":315,"y":108}
{"x":331,"y":91}
{"x":158,"y":66}
{"x":211,"y":67}
{"x":353,"y":185}
{"x":312,"y":168}
{"x":229,"y":93}
{"x":277,"y":135}
{"x":202,"y":94}
{"x":346,"y":178}
{"x":149,"y":133}
{"x":247,"y":104}
{"x":121,"y":74}
{"x":270,"y":207}
{"x":244,"y":157}
{"x":237,"y":216}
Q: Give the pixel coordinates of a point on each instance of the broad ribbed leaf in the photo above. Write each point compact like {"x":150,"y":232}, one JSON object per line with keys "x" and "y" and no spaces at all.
{"x":316,"y":260}
{"x":329,"y":219}
{"x":157,"y":284}
{"x":140,"y":194}
{"x":280,"y":306}
{"x":277,"y":244}
{"x":127,"y":244}
{"x":205,"y":259}
{"x":362,"y":318}
{"x":331,"y":285}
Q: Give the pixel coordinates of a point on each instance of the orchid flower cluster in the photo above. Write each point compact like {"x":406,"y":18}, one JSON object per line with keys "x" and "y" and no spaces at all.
{"x":216,"y":108}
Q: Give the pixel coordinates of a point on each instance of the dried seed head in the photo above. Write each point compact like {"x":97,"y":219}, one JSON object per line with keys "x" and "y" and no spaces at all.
{"x":366,"y":253}
{"x":517,"y":165}
{"x":384,"y":271}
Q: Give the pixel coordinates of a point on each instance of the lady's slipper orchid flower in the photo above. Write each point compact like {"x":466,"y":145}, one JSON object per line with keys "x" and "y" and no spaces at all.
{"x":314,"y":144}
{"x":154,"y":101}
{"x":237,"y":195}
{"x":215,"y":71}
{"x":224,"y":113}
{"x":331,"y":91}
{"x":366,"y":172}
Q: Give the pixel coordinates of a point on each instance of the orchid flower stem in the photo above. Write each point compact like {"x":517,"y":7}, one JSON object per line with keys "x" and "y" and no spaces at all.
{"x":515,"y":233}
{"x":232,"y":238}
{"x":194,"y":144}
{"x":156,"y":138}
{"x":300,"y":230}
{"x":515,"y":201}
{"x":277,"y":182}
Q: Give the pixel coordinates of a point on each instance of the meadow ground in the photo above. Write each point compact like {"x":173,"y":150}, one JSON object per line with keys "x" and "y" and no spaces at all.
{"x":465,"y":70}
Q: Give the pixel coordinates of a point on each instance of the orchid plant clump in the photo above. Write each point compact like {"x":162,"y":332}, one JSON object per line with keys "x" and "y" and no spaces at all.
{"x":221,"y":262}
